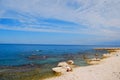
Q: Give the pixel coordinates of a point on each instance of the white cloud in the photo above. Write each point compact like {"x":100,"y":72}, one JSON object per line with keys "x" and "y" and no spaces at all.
{"x":99,"y":17}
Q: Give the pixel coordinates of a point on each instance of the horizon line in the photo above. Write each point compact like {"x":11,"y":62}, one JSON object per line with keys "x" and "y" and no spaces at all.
{"x":60,"y":44}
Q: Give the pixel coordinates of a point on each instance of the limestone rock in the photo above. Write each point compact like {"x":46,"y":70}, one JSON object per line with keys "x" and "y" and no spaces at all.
{"x":62,"y":64}
{"x":59,"y":70}
{"x":70,"y":62}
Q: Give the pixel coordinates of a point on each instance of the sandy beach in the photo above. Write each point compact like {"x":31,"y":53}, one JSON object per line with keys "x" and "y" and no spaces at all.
{"x":107,"y":69}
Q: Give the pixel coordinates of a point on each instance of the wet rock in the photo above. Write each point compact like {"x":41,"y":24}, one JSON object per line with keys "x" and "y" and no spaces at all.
{"x":36,"y":57}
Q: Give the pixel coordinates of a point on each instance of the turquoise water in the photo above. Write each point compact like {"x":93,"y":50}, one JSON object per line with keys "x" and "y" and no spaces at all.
{"x":20,"y":54}
{"x":34,"y":62}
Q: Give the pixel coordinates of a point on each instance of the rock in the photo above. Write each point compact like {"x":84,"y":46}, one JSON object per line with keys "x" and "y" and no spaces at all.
{"x":106,"y":55}
{"x":63,"y":67}
{"x":62,"y":70}
{"x":59,"y":69}
{"x":70,"y":62}
{"x":36,"y":57}
{"x":93,"y":61}
{"x":62,"y":64}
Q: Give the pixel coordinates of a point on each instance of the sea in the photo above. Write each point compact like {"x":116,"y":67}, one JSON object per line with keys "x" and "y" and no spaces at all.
{"x":43,"y":56}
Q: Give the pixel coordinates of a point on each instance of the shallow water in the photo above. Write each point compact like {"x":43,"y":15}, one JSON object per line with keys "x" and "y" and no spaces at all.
{"x":37,"y":60}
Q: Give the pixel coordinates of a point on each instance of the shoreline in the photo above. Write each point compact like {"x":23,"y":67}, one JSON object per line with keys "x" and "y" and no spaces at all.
{"x":107,"y":69}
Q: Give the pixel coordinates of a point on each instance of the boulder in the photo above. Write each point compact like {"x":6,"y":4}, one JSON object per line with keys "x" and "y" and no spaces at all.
{"x":59,"y":70}
{"x":70,"y":62}
{"x":63,"y":67}
{"x":62,"y":64}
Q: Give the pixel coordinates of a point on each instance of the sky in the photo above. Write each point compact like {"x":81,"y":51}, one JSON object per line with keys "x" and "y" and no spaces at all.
{"x":82,"y":22}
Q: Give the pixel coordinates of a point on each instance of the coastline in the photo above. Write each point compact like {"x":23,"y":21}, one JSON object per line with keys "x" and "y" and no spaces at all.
{"x":107,"y":69}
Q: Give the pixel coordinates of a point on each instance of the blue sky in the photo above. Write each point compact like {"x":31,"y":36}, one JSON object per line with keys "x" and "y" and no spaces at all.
{"x":60,"y":21}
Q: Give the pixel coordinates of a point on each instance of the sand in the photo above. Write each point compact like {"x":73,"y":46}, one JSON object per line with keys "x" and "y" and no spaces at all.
{"x":107,"y":69}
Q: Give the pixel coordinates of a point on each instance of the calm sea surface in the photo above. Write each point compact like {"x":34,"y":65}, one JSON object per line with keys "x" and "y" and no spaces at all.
{"x":34,"y":62}
{"x":18,"y":54}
